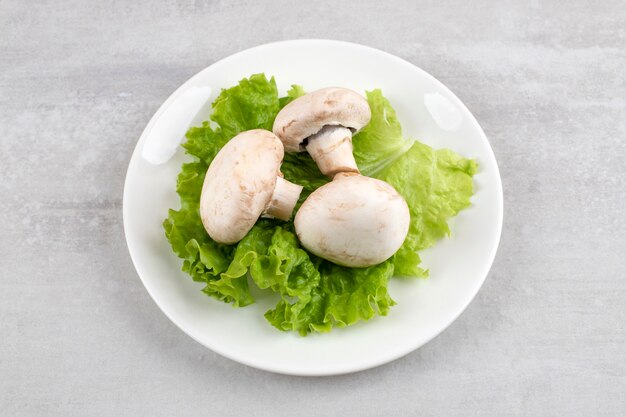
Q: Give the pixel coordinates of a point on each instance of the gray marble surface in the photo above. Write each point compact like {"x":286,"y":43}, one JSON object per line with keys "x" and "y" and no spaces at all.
{"x":79,"y":335}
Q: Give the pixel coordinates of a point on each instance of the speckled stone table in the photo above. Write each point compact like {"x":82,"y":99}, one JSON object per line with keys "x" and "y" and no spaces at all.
{"x":79,"y":335}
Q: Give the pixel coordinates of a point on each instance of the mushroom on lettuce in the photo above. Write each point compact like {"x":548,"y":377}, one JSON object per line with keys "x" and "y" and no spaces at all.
{"x":322,"y":123}
{"x":243,"y":183}
{"x":354,"y":220}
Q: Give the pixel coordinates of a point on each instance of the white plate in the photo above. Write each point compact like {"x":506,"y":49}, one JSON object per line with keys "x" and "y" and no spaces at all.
{"x":458,"y":264}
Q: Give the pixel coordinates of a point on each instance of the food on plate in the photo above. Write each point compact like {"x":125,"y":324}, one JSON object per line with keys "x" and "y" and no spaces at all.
{"x":322,"y":123}
{"x":313,"y":294}
{"x":353,"y":221}
{"x":243,"y":183}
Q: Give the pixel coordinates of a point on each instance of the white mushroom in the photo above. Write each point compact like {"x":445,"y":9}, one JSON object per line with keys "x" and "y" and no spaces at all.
{"x":322,"y":123}
{"x":354,"y":221}
{"x":243,"y":183}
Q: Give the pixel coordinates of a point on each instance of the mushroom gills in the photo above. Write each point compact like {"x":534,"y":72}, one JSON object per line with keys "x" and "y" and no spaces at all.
{"x":283,"y":200}
{"x":331,"y":149}
{"x":322,"y":123}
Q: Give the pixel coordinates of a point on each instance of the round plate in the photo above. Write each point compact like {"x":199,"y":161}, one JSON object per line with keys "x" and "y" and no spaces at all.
{"x":458,"y":265}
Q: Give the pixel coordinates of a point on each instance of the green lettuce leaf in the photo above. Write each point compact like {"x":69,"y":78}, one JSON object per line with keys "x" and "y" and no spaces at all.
{"x":436,"y":184}
{"x":252,"y":104}
{"x":342,"y":297}
{"x":315,"y":295}
{"x":293,"y":93}
{"x":380,"y":142}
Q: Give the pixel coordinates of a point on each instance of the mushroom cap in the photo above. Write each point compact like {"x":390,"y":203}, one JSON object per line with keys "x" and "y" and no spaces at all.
{"x":354,"y":221}
{"x":307,"y":115}
{"x":239,"y":184}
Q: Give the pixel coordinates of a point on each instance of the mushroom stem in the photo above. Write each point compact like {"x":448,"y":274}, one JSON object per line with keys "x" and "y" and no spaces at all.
{"x":331,"y":148}
{"x":283,"y":199}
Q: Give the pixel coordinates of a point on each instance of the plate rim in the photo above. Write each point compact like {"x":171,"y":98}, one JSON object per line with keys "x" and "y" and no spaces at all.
{"x":366,"y":364}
